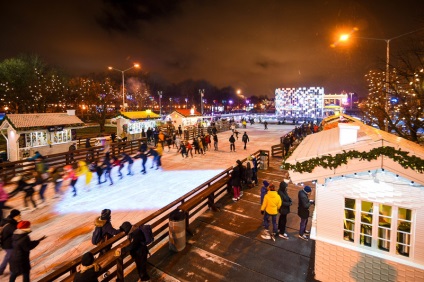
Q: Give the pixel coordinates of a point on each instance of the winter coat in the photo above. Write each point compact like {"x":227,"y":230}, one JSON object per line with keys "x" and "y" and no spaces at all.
{"x":9,"y":226}
{"x":264,"y":190}
{"x":107,"y":228}
{"x":127,"y":158}
{"x":87,"y":273}
{"x":139,"y":252}
{"x":236,"y":177}
{"x":304,"y":204}
{"x":272,"y":203}
{"x":232,"y":139}
{"x":3,"y":195}
{"x":287,"y":201}
{"x":22,"y":245}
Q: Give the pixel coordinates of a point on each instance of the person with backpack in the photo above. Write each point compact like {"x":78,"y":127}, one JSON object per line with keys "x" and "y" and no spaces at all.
{"x":88,"y":270}
{"x":22,"y":245}
{"x":103,"y":229}
{"x":8,"y":226}
{"x":137,"y":249}
{"x":245,"y":139}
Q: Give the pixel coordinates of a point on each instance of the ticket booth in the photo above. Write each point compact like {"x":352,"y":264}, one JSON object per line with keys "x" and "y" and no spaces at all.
{"x":47,"y":133}
{"x":131,"y":124}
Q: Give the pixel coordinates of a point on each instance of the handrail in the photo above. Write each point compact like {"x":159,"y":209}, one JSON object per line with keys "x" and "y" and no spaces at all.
{"x":155,"y":219}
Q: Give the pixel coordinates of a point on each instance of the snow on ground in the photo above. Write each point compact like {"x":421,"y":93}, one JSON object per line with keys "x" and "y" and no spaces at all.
{"x":68,"y":222}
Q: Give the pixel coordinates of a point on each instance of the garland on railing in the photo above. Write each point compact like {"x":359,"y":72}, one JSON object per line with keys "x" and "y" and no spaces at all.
{"x":333,"y":162}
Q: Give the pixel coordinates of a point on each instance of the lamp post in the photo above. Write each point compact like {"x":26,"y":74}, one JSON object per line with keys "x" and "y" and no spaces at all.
{"x":201,"y":92}
{"x":160,"y":103}
{"x":186,"y":100}
{"x":345,"y":37}
{"x":123,"y":81}
{"x":351,"y":101}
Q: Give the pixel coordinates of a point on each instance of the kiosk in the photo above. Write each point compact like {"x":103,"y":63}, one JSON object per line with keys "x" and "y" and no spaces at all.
{"x":47,"y":133}
{"x":131,"y":124}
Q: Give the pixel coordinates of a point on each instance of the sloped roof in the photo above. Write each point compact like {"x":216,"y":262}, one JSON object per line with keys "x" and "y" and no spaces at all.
{"x":326,"y":143}
{"x":27,"y":121}
{"x":187,"y":112}
{"x":139,"y":115}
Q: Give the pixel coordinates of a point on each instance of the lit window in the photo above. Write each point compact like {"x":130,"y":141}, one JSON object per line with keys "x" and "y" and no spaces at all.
{"x":366,"y":223}
{"x":403,"y":243}
{"x":378,"y":235}
{"x":349,"y":221}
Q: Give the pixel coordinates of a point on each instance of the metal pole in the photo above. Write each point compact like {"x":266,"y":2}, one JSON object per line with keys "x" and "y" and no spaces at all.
{"x":123,"y":93}
{"x":201,"y":91}
{"x":160,"y":104}
{"x":387,"y":84}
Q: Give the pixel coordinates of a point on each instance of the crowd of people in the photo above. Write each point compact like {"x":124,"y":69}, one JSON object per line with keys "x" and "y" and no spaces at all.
{"x":243,"y":176}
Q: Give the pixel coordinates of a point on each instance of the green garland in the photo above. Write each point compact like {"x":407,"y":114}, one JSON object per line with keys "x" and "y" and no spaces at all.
{"x":333,"y":162}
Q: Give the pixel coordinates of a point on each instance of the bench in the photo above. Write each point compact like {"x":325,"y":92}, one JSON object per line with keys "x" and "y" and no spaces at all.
{"x":208,"y":193}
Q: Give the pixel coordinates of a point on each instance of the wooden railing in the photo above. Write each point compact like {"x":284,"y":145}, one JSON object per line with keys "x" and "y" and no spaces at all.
{"x":159,"y":220}
{"x":24,"y":167}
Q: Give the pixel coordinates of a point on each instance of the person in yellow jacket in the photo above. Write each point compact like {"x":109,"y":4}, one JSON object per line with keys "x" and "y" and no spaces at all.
{"x":270,"y":206}
{"x":84,"y":170}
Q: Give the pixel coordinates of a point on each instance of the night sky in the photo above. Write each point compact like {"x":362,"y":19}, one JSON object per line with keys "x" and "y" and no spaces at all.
{"x":255,"y":46}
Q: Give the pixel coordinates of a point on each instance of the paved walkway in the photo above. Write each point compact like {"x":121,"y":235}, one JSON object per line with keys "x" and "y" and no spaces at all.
{"x":227,"y":246}
{"x":68,"y":222}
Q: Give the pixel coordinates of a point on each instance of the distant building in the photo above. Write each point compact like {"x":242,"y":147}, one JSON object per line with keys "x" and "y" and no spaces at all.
{"x":133,"y":123}
{"x":308,"y":102}
{"x":368,"y":221}
{"x":299,"y":102}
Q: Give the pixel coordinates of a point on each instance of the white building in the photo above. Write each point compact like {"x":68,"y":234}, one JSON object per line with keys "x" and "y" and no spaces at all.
{"x":47,"y":133}
{"x":368,"y":222}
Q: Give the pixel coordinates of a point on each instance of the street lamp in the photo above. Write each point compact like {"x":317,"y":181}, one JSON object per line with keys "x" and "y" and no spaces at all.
{"x":186,"y":100}
{"x":201,"y":92}
{"x":160,"y":103}
{"x":345,"y":37}
{"x":351,"y":101}
{"x":123,"y":85}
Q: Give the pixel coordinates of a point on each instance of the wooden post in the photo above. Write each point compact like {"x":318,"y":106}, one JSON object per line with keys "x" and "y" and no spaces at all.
{"x":120,"y":269}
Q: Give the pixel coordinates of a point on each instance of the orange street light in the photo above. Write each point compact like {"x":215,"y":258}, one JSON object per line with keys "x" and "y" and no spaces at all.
{"x":123,"y":85}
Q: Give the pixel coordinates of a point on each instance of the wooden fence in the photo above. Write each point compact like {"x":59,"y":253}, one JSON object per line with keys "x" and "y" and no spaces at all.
{"x":159,"y":220}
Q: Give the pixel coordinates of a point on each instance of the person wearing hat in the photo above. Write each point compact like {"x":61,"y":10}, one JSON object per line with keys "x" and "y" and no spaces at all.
{"x":264,"y":190}
{"x":104,"y":221}
{"x":284,"y":210}
{"x":88,"y":271}
{"x":22,"y":245}
{"x":9,"y":225}
{"x":270,"y":207}
{"x":303,"y":211}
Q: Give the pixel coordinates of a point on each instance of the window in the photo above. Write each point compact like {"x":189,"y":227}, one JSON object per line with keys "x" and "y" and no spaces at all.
{"x":391,"y":233}
{"x":403,"y":242}
{"x":349,"y":222}
{"x":366,"y":223}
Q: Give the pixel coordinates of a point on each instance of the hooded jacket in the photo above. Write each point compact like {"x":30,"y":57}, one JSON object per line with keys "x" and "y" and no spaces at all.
{"x":22,"y":245}
{"x":272,"y":203}
{"x":107,"y":228}
{"x":287,"y":201}
{"x":9,"y":226}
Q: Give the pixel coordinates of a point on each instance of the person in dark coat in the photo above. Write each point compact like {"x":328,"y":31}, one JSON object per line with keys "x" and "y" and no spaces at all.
{"x":137,"y":249}
{"x":88,"y":270}
{"x":127,"y":159}
{"x":232,"y":141}
{"x":9,"y":225}
{"x":22,"y":245}
{"x":245,"y":139}
{"x":25,"y":186}
{"x":303,"y":211}
{"x":284,"y":210}
{"x":107,"y":167}
{"x":236,"y":180}
{"x":254,"y":170}
{"x":104,"y":221}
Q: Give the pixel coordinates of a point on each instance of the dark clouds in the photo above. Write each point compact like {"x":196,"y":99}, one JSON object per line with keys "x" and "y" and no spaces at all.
{"x":253,"y":45}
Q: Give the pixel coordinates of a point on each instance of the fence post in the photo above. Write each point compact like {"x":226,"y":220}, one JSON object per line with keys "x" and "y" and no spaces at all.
{"x":120,"y":269}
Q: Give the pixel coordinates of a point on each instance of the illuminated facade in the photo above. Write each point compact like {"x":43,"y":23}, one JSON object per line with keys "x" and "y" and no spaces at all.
{"x":299,"y":102}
